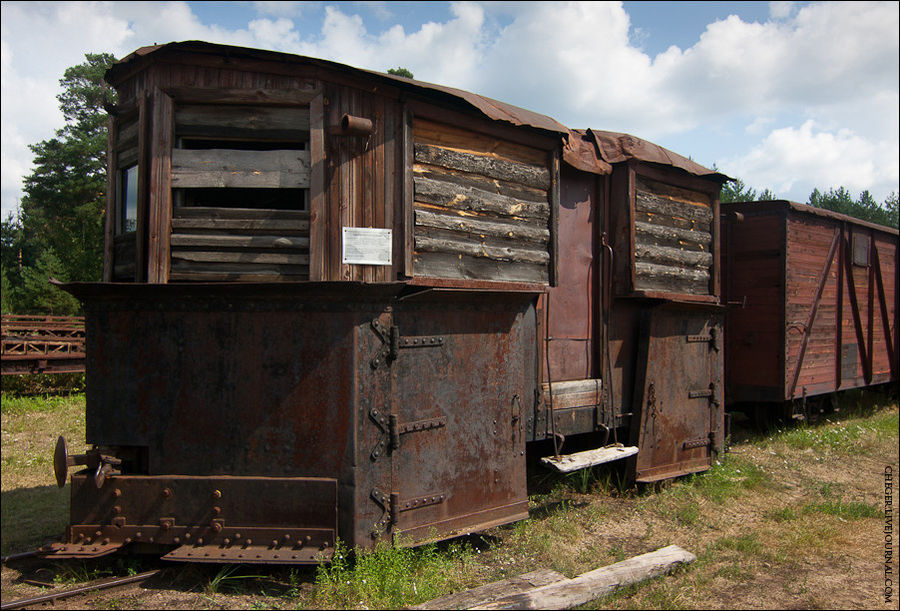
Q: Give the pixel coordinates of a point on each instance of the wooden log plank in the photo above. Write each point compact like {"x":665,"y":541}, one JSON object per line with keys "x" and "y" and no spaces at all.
{"x":463,"y":267}
{"x":475,"y":181}
{"x":238,"y":241}
{"x":127,"y":134}
{"x":653,"y":270}
{"x":226,"y":168}
{"x":672,"y":236}
{"x":200,"y":212}
{"x":231,"y":226}
{"x":253,"y":276}
{"x":218,"y":95}
{"x":160,"y":199}
{"x":662,"y":220}
{"x":646,"y":201}
{"x":447,"y":135}
{"x":594,"y":584}
{"x":494,"y":228}
{"x":426,"y":243}
{"x":673,"y":192}
{"x":282,"y":122}
{"x":665,"y":255}
{"x":512,"y":171}
{"x":218,"y":256}
{"x":430,"y":191}
{"x":493,"y":591}
{"x":568,"y":463}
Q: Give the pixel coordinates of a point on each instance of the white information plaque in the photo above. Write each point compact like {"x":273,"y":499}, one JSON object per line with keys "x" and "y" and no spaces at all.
{"x":366,"y":246}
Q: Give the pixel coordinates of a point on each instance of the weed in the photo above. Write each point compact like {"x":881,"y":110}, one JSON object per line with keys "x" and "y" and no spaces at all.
{"x":78,"y":572}
{"x":853,"y":510}
{"x":784,"y":514}
{"x":227,"y":579}
{"x":688,"y":514}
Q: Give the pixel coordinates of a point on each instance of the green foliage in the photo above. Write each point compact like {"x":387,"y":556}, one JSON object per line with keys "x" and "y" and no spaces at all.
{"x":865,"y":207}
{"x":388,"y":577}
{"x":59,"y":230}
{"x":400,"y":72}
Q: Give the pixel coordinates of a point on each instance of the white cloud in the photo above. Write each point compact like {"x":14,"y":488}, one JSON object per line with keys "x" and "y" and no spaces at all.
{"x":835,"y":64}
{"x":790,"y":158}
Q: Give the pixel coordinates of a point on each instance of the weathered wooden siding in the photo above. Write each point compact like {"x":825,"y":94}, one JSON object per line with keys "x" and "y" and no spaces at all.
{"x":831,"y":318}
{"x":363,"y":179}
{"x":234,"y":244}
{"x":672,"y":239}
{"x":753,"y":261}
{"x":482,"y":207}
{"x":837,"y":353}
{"x":249,"y":100}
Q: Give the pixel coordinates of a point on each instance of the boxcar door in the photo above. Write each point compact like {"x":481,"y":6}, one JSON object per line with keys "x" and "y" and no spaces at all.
{"x":678,"y":391}
{"x":459,"y":385}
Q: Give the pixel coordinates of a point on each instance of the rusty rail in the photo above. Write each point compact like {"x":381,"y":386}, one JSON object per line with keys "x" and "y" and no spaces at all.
{"x":42,"y":344}
{"x":101,"y":584}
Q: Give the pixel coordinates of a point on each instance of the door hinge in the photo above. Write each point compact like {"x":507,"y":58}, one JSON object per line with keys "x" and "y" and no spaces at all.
{"x":708,"y":393}
{"x":711,"y":338}
{"x":392,"y":342}
{"x":392,"y":507}
{"x":392,"y":429}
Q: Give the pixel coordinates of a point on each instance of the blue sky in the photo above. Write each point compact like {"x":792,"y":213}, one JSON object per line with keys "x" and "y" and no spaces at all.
{"x":784,"y":95}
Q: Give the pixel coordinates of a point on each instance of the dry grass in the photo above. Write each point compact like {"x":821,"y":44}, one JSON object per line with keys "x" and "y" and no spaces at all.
{"x":791,"y":519}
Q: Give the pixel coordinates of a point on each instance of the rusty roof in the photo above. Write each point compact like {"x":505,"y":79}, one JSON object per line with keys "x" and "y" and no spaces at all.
{"x":596,"y":151}
{"x":768,"y":205}
{"x":588,"y":150}
{"x":493,"y":109}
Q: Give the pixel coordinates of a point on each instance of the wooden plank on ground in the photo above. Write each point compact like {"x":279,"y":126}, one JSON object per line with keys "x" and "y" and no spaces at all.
{"x":594,"y":584}
{"x":589,"y":458}
{"x":494,"y":591}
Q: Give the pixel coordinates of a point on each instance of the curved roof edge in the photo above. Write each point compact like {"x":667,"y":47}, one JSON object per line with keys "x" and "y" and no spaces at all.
{"x":784,"y":204}
{"x":493,"y":109}
{"x":597,"y":151}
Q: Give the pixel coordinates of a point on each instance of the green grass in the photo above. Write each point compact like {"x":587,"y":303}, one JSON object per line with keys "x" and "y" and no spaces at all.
{"x":854,"y":510}
{"x":390,"y":577}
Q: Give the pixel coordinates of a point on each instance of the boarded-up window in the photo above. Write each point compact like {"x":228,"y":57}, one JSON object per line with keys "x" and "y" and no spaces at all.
{"x":481,"y":207}
{"x":240,"y":180}
{"x":672,"y":239}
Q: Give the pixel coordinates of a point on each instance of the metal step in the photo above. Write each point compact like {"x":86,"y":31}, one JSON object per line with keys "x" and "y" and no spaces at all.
{"x":589,"y":458}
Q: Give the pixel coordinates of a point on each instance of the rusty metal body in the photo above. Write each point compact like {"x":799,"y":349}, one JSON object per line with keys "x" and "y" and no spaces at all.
{"x":42,"y":344}
{"x":815,"y":302}
{"x":264,"y":421}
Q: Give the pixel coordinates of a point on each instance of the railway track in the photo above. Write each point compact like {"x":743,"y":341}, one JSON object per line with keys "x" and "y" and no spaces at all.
{"x":87,"y":588}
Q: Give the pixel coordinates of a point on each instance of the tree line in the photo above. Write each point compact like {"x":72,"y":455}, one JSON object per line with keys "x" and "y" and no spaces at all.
{"x":59,"y":228}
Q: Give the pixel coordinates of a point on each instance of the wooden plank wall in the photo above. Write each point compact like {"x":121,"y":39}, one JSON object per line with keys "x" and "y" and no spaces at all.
{"x":236,"y":244}
{"x":176,"y":87}
{"x":363,"y":178}
{"x":753,"y":261}
{"x":672,"y":239}
{"x":481,"y":208}
{"x":833,"y":359}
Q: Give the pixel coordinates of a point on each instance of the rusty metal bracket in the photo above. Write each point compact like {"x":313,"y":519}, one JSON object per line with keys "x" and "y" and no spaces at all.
{"x":708,"y":393}
{"x":712,"y":338}
{"x":418,"y":502}
{"x":392,"y":342}
{"x":392,"y":429}
{"x":384,"y":502}
{"x":696,"y":443}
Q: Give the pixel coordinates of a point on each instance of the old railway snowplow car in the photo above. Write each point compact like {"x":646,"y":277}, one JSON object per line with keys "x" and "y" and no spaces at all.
{"x":337,"y":304}
{"x":815,"y":306}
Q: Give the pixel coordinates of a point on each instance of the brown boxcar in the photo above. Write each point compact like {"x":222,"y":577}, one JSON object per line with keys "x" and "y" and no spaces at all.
{"x":813,"y":302}
{"x":337,"y":304}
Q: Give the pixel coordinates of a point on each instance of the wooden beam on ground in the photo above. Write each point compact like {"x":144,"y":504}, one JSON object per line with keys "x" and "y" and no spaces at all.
{"x":566,"y":593}
{"x":494,"y":591}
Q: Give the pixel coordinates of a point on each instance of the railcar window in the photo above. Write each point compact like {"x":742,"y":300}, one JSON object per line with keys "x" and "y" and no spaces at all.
{"x":860,"y":250}
{"x":240,"y":189}
{"x":127,"y":212}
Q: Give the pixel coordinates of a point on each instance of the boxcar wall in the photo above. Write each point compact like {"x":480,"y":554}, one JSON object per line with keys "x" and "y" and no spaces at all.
{"x":240,"y":165}
{"x":816,"y":290}
{"x":632,"y":331}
